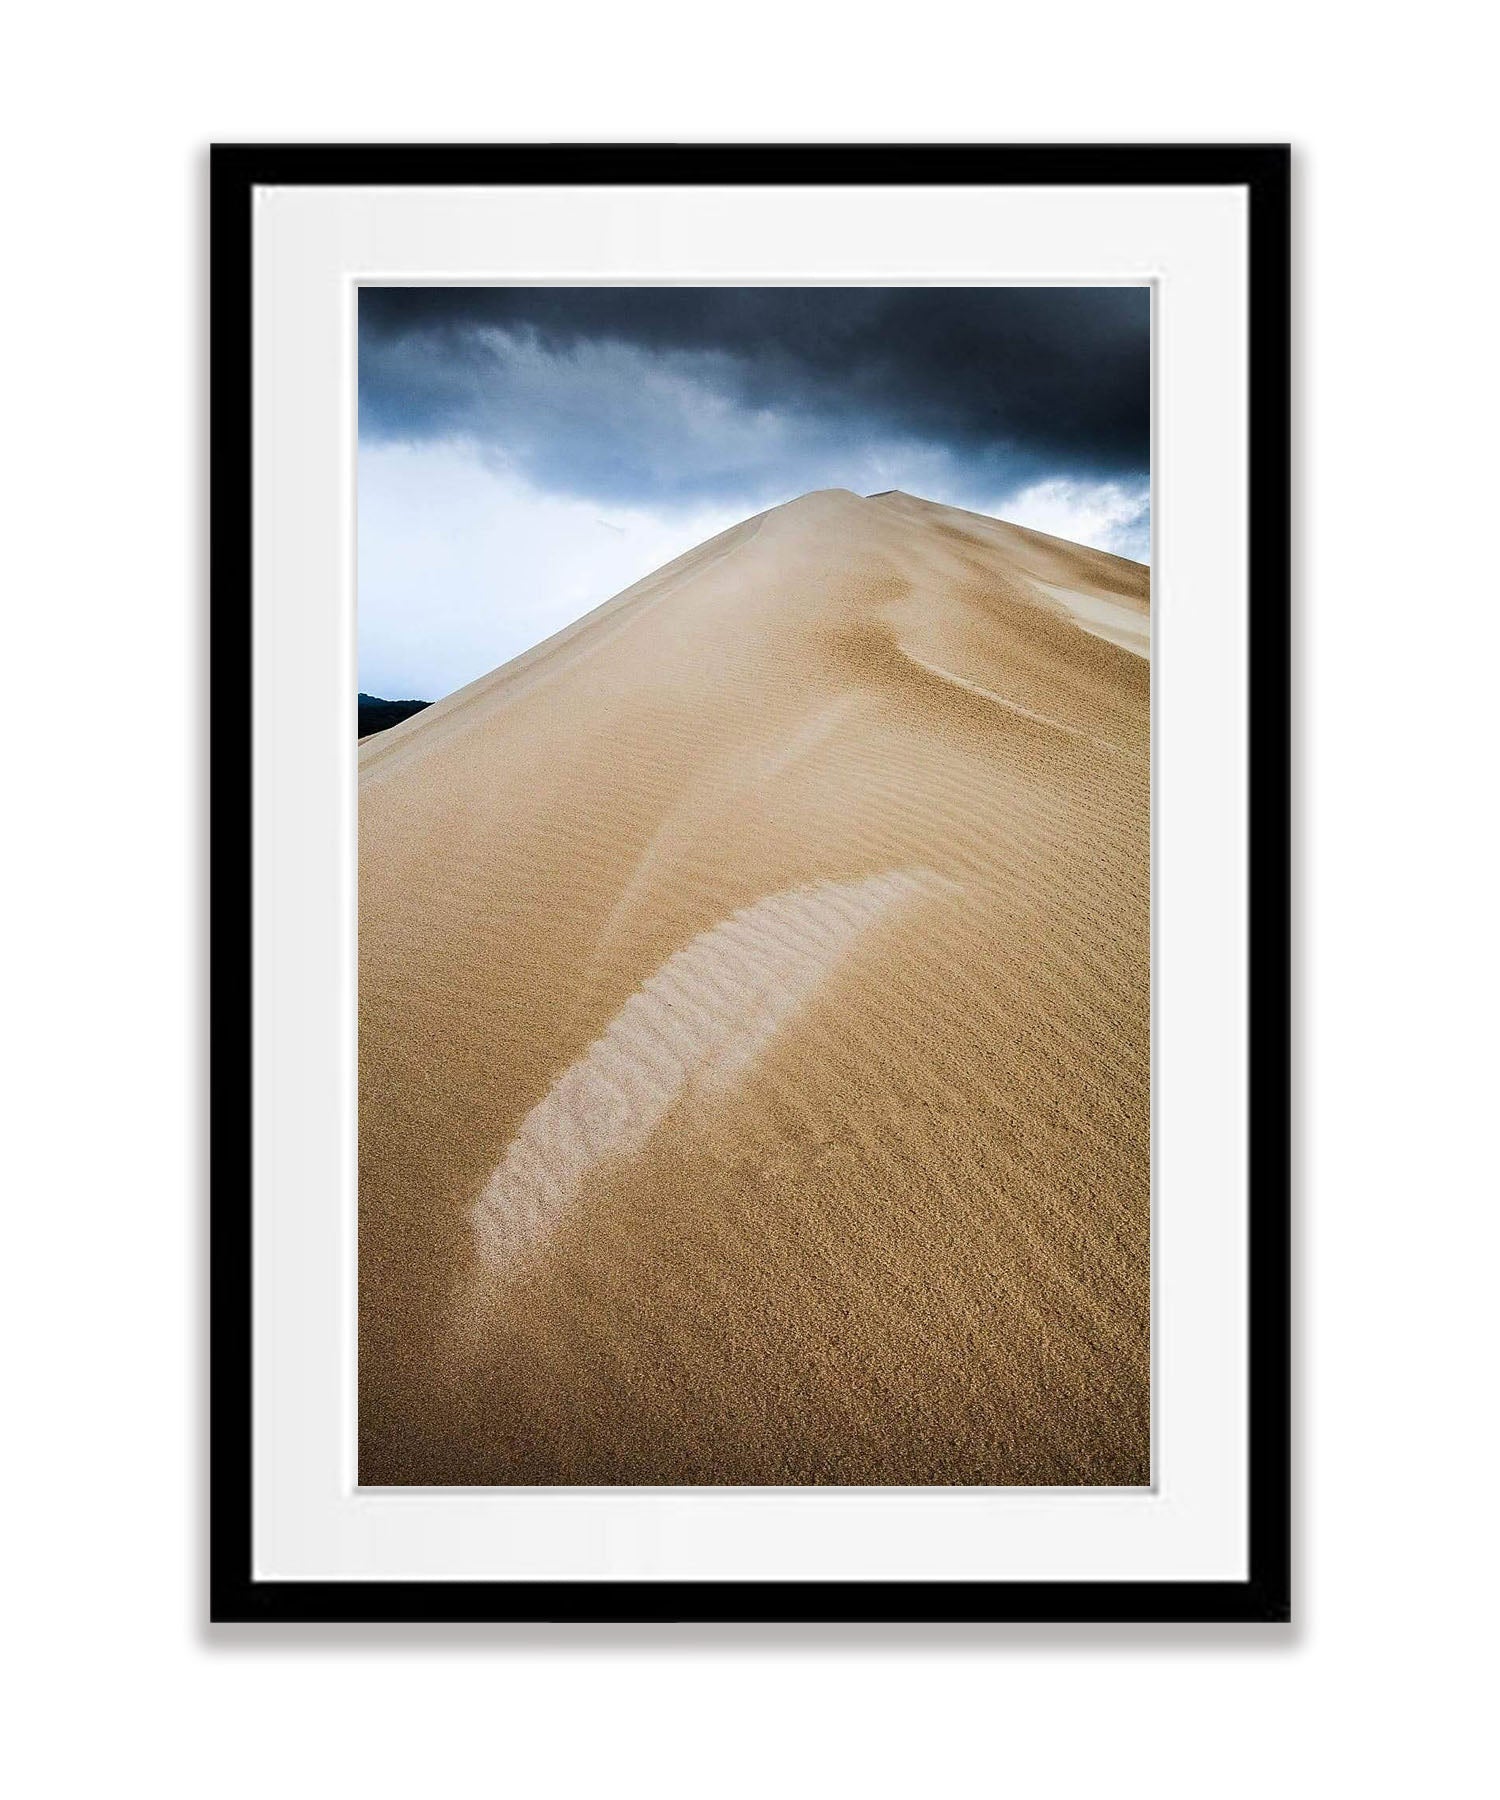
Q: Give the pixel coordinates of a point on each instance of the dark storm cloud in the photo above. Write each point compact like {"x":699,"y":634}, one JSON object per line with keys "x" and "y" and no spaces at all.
{"x":673,"y":393}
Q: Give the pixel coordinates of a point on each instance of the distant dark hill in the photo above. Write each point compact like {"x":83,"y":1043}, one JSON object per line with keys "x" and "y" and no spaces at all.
{"x":379,"y":715}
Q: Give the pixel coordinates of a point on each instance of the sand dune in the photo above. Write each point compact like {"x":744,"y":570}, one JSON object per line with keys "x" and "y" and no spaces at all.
{"x":754,"y":1026}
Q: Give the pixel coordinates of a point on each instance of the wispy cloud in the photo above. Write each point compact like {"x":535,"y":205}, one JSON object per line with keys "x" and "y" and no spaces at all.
{"x":1109,"y":515}
{"x":463,"y":565}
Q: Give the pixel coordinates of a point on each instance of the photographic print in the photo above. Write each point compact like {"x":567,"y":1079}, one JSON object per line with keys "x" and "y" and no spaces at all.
{"x":750,"y":1070}
{"x":754,"y":940}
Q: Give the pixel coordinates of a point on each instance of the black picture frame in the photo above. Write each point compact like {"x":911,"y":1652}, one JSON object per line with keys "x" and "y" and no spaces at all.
{"x":235,"y":1594}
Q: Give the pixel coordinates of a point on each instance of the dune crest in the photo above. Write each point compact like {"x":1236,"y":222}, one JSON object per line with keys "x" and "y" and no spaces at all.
{"x":755,"y":1026}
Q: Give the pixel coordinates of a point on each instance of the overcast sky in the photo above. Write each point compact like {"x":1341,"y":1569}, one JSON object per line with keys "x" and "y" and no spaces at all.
{"x":526,"y":453}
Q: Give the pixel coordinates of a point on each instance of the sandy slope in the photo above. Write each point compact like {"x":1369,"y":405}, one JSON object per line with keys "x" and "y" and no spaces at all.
{"x":754,"y":1026}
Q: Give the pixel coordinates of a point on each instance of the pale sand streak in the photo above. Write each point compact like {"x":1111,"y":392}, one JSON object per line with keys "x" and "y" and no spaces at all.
{"x":699,"y":1022}
{"x":1111,"y":620}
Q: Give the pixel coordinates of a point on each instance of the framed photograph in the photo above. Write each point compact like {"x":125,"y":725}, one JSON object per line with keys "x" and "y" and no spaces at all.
{"x":750,"y":921}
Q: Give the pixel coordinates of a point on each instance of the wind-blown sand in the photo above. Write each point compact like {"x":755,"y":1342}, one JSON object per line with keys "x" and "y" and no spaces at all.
{"x":754,"y":1026}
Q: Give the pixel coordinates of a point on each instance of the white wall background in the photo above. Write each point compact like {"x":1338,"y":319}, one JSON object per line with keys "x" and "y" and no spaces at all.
{"x":117,"y":1683}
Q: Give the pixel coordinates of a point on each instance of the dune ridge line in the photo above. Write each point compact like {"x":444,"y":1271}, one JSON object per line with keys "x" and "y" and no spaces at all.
{"x":1014,"y":706}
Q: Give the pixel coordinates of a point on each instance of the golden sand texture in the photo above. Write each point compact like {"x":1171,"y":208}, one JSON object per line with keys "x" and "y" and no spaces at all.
{"x":754,"y":1026}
